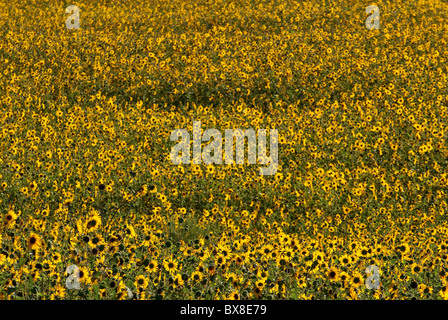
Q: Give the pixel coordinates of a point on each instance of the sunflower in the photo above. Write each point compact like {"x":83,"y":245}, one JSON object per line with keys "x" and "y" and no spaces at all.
{"x":211,"y":270}
{"x":378,"y":249}
{"x":353,"y":246}
{"x":260,"y":283}
{"x":93,"y":222}
{"x":356,"y":280}
{"x":424,"y":290}
{"x":224,"y":251}
{"x":415,"y":268}
{"x":10,"y":217}
{"x":353,"y":294}
{"x":196,"y":276}
{"x":152,"y":189}
{"x":114,"y":240}
{"x":282,"y":260}
{"x":171,"y":265}
{"x":318,"y":256}
{"x":234,"y":296}
{"x":444,"y":292}
{"x":239,"y":259}
{"x":344,"y":260}
{"x":178,"y":281}
{"x":123,"y":292}
{"x":363,"y":251}
{"x":333,"y":274}
{"x":289,"y":253}
{"x":153,"y":251}
{"x":156,"y":281}
{"x":34,"y":242}
{"x":83,"y":275}
{"x":59,"y":291}
{"x":403,"y":248}
{"x":344,"y":277}
{"x":152,"y":267}
{"x":257,"y":291}
{"x":146,"y":240}
{"x":266,"y":250}
{"x":24,"y":190}
{"x":220,"y":260}
{"x":210,"y":169}
{"x":231,"y":277}
{"x":274,"y":255}
{"x":2,"y":258}
{"x":33,"y":186}
{"x":35,"y":275}
{"x":141,"y":281}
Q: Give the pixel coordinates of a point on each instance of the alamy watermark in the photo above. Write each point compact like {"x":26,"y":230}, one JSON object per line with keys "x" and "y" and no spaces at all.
{"x":216,"y":146}
{"x":373,"y":21}
{"x":72,"y":21}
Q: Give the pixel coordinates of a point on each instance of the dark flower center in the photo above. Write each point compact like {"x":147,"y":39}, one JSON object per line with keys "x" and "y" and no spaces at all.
{"x":91,"y":224}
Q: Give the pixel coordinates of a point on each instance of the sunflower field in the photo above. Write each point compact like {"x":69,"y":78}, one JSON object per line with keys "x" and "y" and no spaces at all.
{"x":91,"y":206}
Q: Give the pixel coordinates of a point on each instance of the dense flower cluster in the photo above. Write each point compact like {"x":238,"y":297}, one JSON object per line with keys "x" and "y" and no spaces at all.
{"x":85,"y":171}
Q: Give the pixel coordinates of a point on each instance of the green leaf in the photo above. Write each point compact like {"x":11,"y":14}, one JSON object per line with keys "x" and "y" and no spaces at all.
{"x":22,"y":261}
{"x":96,"y":292}
{"x":130,"y":284}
